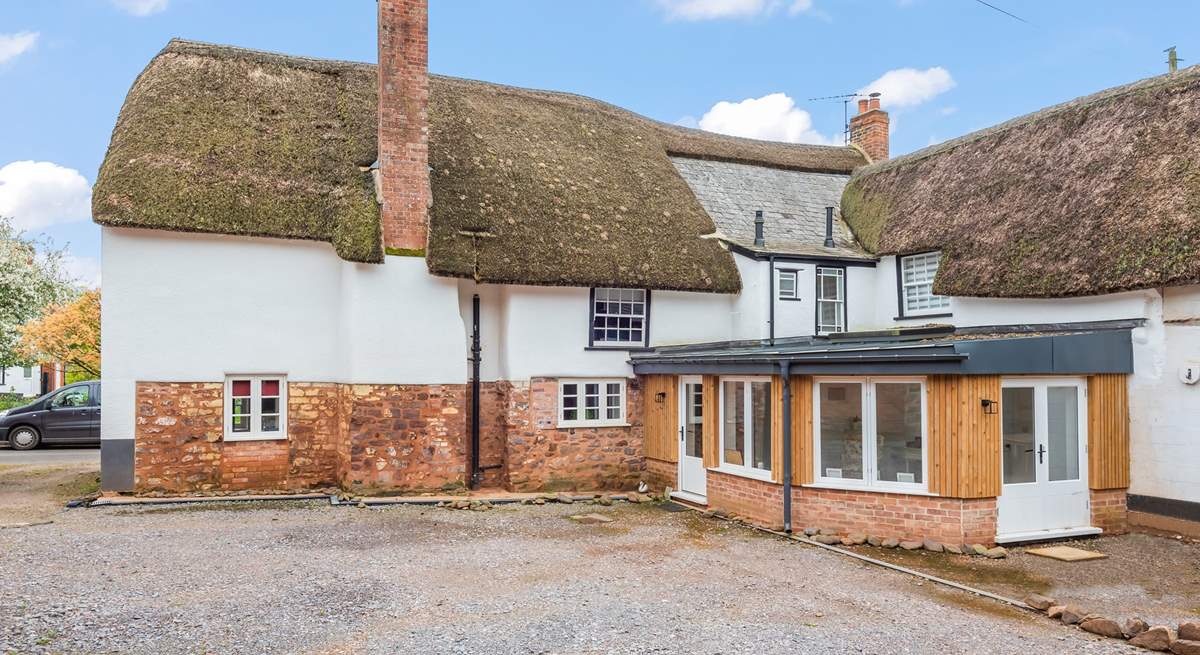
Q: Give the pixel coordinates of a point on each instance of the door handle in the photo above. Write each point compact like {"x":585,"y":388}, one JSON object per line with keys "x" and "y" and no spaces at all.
{"x":681,"y":434}
{"x":1041,"y":453}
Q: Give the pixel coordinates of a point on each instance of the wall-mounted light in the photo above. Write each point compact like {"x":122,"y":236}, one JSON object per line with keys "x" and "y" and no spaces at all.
{"x":990,"y":406}
{"x":660,"y":397}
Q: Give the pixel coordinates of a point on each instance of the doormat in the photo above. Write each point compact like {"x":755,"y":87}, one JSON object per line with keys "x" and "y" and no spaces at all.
{"x":1066,"y":553}
{"x":672,"y":507}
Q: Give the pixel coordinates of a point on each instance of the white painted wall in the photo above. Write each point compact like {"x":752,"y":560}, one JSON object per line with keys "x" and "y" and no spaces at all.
{"x":192,"y":308}
{"x":16,"y":382}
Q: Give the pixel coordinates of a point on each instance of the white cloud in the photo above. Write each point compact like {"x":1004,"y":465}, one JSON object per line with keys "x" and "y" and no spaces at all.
{"x":773,"y":117}
{"x":85,"y":270}
{"x":36,"y":194}
{"x":141,"y":7}
{"x":909,"y":87}
{"x":715,"y":9}
{"x":12,"y":45}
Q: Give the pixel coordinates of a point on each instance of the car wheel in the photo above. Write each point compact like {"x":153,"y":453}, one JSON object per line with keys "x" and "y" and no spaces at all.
{"x":24,"y":438}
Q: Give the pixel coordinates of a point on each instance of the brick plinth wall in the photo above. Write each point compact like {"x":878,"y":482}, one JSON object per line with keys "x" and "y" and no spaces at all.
{"x":179,"y":447}
{"x":1109,"y":510}
{"x":760,"y":502}
{"x":405,"y":437}
{"x":660,"y":475}
{"x":542,"y":457}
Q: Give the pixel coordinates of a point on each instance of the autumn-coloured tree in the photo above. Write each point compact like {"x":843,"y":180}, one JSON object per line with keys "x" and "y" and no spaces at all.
{"x":68,"y":333}
{"x":32,"y":278}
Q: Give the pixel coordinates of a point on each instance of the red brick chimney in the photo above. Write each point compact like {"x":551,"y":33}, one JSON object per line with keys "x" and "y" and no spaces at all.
{"x":403,"y":124}
{"x":869,"y":129}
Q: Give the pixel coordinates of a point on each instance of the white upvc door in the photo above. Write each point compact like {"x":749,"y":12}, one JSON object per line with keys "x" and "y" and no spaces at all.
{"x":1043,"y":455}
{"x":692,"y":478}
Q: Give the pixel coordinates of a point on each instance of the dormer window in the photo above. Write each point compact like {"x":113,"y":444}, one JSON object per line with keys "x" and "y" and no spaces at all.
{"x":916,"y":286}
{"x":620,"y":318}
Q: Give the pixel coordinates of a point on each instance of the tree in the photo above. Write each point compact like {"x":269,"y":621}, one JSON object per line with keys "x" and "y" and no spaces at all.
{"x":68,"y":333}
{"x":31,"y":279}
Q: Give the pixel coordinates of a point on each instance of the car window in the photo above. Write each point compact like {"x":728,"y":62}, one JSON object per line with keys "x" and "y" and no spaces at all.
{"x":74,"y":397}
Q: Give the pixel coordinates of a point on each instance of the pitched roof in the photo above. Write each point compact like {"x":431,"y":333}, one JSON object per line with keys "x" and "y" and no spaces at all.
{"x":529,"y":187}
{"x":793,"y":205}
{"x":1093,"y":196}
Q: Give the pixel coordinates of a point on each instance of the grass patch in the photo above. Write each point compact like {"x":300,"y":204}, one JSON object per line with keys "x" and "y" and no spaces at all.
{"x":83,"y":484}
{"x":218,"y":506}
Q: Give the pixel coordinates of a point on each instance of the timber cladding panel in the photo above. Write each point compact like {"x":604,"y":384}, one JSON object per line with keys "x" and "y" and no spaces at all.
{"x":964,"y":441}
{"x":661,"y":403}
{"x":802,"y":433}
{"x":1108,"y":432}
{"x":712,"y":421}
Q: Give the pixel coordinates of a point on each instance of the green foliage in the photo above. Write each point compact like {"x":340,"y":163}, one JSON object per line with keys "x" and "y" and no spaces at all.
{"x":32,"y":279}
{"x":10,"y":400}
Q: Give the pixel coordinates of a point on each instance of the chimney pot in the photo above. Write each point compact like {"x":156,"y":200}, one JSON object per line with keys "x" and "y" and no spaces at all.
{"x":862,"y":106}
{"x":873,"y":104}
{"x":869,"y":129}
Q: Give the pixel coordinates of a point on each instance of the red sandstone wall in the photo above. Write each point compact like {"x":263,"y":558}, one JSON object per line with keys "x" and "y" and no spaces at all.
{"x":542,"y":457}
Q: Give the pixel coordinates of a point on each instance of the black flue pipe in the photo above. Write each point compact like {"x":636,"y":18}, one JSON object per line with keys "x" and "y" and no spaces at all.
{"x":476,"y":472}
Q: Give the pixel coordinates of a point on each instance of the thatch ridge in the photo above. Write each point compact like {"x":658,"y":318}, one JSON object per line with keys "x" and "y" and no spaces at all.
{"x":1097,"y":195}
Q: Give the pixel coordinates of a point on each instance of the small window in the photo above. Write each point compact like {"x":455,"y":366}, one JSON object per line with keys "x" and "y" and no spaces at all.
{"x":586,"y":403}
{"x":831,"y":299}
{"x":28,"y":372}
{"x":916,"y":285}
{"x":787,"y":285}
{"x":255,"y":407}
{"x":619,"y":317}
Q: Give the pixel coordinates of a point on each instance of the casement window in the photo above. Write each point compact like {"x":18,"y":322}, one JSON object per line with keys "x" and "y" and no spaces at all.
{"x":745,"y":421}
{"x":28,"y":372}
{"x":588,"y":403}
{"x":831,"y":299}
{"x":916,"y":285}
{"x":787,"y":285}
{"x":870,"y":432}
{"x":255,"y":407}
{"x":620,"y":317}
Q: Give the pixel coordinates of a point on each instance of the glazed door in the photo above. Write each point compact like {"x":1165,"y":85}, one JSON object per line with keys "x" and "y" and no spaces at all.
{"x":1043,"y":458}
{"x":691,"y":437}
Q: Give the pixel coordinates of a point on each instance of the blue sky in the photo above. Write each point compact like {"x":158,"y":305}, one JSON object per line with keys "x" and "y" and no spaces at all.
{"x":957,"y":66}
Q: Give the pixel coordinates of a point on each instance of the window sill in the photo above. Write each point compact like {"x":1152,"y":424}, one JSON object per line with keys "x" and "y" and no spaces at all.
{"x":621,"y":348}
{"x":913,"y":317}
{"x":255,"y":437}
{"x":744,"y":472}
{"x":585,"y":426}
{"x":907,"y":491}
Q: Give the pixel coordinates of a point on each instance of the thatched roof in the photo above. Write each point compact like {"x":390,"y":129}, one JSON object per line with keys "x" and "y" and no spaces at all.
{"x":529,"y":187}
{"x":1093,"y":196}
{"x":231,"y":141}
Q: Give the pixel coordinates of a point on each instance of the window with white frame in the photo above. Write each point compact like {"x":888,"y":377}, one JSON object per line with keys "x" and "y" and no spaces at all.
{"x":787,"y":284}
{"x":746,"y":425}
{"x":870,"y":432}
{"x":28,"y":372}
{"x":916,"y":285}
{"x":620,"y":317}
{"x":255,"y":407}
{"x":585,"y":403}
{"x":831,"y":299}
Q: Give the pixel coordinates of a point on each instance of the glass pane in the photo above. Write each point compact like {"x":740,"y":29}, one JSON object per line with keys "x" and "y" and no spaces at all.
{"x":570,"y":414}
{"x":841,"y":430}
{"x":270,"y":387}
{"x":270,"y":405}
{"x":240,"y":406}
{"x":694,"y":420}
{"x":733,"y":436}
{"x":270,"y":424}
{"x":1017,"y":421}
{"x":241,"y":424}
{"x":829,"y":315}
{"x":760,"y":408}
{"x":1062,"y":416}
{"x":898,"y":432}
{"x":241,"y":387}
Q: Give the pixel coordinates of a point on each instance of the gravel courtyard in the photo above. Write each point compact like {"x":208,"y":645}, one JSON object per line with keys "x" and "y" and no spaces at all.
{"x":310,"y":578}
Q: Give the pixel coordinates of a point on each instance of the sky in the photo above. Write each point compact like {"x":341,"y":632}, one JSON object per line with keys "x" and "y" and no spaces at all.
{"x":753,"y":68}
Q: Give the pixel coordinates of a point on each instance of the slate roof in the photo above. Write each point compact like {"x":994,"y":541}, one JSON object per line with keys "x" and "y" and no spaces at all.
{"x":793,"y":204}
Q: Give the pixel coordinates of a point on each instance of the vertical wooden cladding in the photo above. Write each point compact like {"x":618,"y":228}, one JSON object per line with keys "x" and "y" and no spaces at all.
{"x":661,"y":417}
{"x":802,"y":463}
{"x":712,"y":421}
{"x":964,"y":442}
{"x":1108,"y":432}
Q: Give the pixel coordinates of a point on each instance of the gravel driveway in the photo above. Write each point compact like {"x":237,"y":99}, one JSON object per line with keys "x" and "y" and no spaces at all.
{"x":307,"y":577}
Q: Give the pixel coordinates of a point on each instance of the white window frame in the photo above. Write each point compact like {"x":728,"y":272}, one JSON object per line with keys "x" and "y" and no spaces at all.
{"x":617,"y":344}
{"x":870,"y":441}
{"x":937,"y":304}
{"x":788,"y":274}
{"x":743,"y":470}
{"x":255,"y":433}
{"x":603,"y":421}
{"x":840,"y":301}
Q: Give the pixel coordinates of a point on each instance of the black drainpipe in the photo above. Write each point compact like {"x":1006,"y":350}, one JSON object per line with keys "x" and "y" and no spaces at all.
{"x":476,"y":472}
{"x":771,"y":298}
{"x":785,"y":370}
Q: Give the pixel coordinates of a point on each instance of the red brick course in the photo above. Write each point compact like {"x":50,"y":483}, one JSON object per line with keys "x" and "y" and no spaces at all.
{"x":660,"y":475}
{"x":403,"y":123}
{"x":1109,"y":510}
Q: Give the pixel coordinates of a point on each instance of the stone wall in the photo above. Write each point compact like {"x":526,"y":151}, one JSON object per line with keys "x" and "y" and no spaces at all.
{"x":493,"y":431}
{"x":1109,"y":510}
{"x":542,"y":457}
